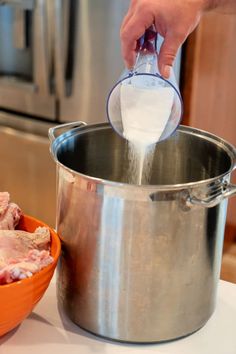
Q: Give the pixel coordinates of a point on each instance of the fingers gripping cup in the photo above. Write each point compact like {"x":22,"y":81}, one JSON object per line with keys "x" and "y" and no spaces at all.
{"x":143,"y":106}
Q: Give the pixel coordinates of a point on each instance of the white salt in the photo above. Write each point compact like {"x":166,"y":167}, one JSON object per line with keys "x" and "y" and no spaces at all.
{"x":145,"y":113}
{"x":140,"y":163}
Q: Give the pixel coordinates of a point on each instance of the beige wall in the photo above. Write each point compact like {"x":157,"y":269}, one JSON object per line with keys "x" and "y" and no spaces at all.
{"x":209,"y":81}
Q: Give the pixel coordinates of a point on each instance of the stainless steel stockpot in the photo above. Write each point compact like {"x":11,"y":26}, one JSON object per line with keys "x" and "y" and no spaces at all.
{"x":140,"y":263}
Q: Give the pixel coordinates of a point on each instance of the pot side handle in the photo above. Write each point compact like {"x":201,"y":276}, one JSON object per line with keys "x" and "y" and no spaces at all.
{"x":229,"y":191}
{"x":55,"y":131}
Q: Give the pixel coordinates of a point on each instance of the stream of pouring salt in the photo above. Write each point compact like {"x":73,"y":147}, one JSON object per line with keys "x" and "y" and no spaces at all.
{"x":144,"y":116}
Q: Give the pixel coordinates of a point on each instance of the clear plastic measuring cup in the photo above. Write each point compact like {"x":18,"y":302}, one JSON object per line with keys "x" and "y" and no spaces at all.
{"x":152,"y":95}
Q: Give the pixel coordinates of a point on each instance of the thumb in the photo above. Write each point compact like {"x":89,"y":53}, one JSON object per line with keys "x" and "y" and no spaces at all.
{"x":167,"y":54}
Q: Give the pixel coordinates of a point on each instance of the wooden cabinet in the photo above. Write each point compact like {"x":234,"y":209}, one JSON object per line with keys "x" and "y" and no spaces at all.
{"x":208,"y":86}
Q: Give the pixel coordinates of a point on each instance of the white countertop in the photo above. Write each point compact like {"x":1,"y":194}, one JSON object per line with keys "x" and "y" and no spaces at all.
{"x":45,"y":331}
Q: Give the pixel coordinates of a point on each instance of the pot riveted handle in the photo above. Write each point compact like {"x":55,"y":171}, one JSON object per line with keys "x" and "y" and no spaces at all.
{"x":53,"y":132}
{"x":229,"y":191}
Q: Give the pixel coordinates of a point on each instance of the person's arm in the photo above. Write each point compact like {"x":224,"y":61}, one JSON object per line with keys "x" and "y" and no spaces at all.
{"x":174,"y":20}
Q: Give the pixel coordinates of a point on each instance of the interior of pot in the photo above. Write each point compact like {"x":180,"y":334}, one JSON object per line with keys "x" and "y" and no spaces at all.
{"x":183,"y":158}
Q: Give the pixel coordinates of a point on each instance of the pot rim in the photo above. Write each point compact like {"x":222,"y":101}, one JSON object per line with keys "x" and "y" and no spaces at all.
{"x":222,"y":143}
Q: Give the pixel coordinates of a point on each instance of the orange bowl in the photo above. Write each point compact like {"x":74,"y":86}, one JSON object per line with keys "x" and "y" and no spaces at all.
{"x":18,"y":299}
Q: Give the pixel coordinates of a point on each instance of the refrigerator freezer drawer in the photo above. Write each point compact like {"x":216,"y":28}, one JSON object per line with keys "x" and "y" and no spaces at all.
{"x":24,"y":98}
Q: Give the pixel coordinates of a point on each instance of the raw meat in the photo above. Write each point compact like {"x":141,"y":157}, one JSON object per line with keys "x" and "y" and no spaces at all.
{"x":4,"y":201}
{"x":23,"y":253}
{"x":10,"y":213}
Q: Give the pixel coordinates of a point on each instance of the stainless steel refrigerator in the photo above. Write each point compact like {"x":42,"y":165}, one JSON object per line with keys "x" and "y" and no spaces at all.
{"x":58,"y":58}
{"x":58,"y":61}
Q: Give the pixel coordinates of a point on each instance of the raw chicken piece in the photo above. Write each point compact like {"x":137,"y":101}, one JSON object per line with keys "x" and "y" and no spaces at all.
{"x":10,"y":213}
{"x":23,"y":253}
{"x":4,"y":201}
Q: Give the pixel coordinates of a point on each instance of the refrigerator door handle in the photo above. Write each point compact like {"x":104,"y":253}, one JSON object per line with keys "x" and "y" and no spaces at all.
{"x":61,"y":11}
{"x":19,"y":28}
{"x":41,"y":47}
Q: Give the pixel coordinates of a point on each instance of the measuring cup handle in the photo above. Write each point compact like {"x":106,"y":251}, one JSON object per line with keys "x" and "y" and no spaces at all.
{"x":53,"y":132}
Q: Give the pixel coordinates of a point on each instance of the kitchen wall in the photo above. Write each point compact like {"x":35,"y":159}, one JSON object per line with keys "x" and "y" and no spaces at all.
{"x":208,"y":88}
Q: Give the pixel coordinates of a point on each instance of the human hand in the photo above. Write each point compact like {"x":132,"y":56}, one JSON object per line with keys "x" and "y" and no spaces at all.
{"x":174,"y":20}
